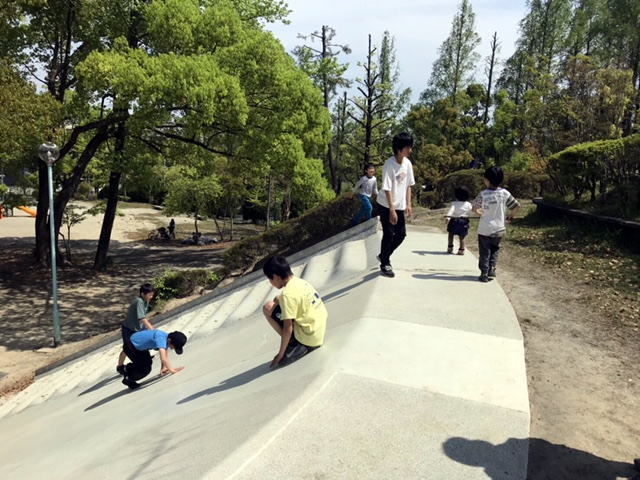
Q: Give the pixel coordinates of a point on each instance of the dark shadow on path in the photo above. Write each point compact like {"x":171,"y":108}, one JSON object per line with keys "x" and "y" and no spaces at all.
{"x":428,"y":252}
{"x":102,"y":383}
{"x":343,"y":291}
{"x":546,"y":460}
{"x":126,"y":391}
{"x":232,"y":382}
{"x":446,"y":276}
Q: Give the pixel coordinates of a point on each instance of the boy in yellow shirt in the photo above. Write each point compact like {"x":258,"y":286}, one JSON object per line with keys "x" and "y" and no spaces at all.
{"x":298,"y":315}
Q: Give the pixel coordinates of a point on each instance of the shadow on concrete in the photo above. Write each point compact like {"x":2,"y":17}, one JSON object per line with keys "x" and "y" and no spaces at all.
{"x":343,"y":291}
{"x":428,"y":252}
{"x":546,"y":460}
{"x":100,"y":384}
{"x":126,"y":391}
{"x":232,"y":382}
{"x":446,"y":276}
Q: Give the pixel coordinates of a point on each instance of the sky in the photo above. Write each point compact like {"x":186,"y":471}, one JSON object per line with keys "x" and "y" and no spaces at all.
{"x":419,"y":28}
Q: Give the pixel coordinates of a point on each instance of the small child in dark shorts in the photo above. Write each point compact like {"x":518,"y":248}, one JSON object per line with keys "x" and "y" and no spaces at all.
{"x":458,"y":219}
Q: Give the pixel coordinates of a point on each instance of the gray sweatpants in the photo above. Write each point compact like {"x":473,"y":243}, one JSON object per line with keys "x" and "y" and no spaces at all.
{"x":488,"y":248}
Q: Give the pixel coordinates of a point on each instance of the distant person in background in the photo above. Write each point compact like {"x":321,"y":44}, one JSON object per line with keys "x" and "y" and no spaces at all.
{"x":172,"y":229}
{"x":136,"y":320}
{"x":366,"y":187}
{"x":458,"y":219}
{"x":395,"y":199}
{"x":496,"y":206}
{"x":298,"y":314}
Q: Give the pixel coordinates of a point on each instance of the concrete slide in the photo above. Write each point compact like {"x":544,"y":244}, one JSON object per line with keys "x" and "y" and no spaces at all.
{"x":28,"y":210}
{"x":421,"y":376}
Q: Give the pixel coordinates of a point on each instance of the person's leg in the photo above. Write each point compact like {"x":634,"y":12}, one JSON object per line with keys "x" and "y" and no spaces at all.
{"x":140,"y":367}
{"x":126,"y":338}
{"x":493,"y":259}
{"x":387,"y":236}
{"x":399,"y":232}
{"x":368,"y":208}
{"x":271,"y":312}
{"x":461,"y":248}
{"x":484,"y":252}
{"x":450,"y":243}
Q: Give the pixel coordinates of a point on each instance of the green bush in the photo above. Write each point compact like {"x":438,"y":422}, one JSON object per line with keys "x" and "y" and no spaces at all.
{"x":526,"y":185}
{"x":294,"y":235}
{"x":84,"y":192}
{"x":596,"y":167}
{"x":469,"y":179}
{"x":182,"y":283}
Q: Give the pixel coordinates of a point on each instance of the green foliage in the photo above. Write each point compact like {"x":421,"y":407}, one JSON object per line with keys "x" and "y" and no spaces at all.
{"x":294,"y":235}
{"x":526,"y":185}
{"x":469,"y":179}
{"x":183,"y":283}
{"x":595,"y":167}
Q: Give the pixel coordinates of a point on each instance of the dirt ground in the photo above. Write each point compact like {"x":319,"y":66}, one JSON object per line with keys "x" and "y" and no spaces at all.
{"x":582,"y":365}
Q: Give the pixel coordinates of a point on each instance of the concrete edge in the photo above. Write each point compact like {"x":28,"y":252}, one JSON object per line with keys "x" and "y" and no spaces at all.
{"x":359,"y":231}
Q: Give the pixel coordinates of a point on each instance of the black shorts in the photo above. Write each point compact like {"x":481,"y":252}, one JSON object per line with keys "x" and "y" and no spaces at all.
{"x":295,"y":349}
{"x":458,"y":226}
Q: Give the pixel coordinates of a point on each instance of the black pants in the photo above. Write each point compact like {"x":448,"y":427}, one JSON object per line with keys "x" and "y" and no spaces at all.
{"x":392,"y":235}
{"x":141,"y":361}
{"x":488,"y":248}
{"x":295,"y":349}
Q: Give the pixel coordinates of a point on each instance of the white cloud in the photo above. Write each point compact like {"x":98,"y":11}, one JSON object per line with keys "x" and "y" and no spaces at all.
{"x":419,"y":27}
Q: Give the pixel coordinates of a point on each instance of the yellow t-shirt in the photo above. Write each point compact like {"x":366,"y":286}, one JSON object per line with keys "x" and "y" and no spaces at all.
{"x":300,"y":302}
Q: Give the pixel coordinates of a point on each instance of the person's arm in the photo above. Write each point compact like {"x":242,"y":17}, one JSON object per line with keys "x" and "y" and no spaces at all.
{"x":411,"y":181}
{"x":147,"y":324}
{"x":375,"y":186}
{"x":357,"y":185}
{"x":287,"y":331}
{"x":166,"y":365}
{"x":447,"y":217}
{"x":477,"y":205}
{"x":514,"y":206}
{"x":409,"y":200}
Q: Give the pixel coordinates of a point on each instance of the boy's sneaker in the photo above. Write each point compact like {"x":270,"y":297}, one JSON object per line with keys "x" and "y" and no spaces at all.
{"x":387,"y":271}
{"x":492,"y":273}
{"x":120,"y":370}
{"x":484,"y":278}
{"x":450,"y":249}
{"x":461,"y":251}
{"x":379,"y":260}
{"x":132,"y":384}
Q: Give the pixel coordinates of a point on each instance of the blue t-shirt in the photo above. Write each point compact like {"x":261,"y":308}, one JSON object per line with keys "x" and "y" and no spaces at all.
{"x":150,"y":339}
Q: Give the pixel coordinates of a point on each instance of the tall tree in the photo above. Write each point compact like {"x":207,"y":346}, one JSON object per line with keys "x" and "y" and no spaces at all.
{"x":453,"y":69}
{"x":491,"y":63}
{"x":327,"y":73}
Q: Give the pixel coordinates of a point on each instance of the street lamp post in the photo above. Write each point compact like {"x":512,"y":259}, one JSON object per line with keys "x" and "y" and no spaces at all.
{"x":49,"y":153}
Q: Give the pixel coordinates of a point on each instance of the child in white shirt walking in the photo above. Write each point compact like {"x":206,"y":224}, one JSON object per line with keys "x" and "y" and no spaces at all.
{"x":492,"y":205}
{"x":458,"y":219}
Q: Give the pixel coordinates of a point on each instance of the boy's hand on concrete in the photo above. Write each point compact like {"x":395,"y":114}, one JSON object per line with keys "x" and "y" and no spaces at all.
{"x":166,"y":370}
{"x":393,"y":217}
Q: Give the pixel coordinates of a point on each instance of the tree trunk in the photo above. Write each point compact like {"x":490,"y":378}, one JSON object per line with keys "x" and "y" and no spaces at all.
{"x":100,"y":262}
{"x":268,"y":219}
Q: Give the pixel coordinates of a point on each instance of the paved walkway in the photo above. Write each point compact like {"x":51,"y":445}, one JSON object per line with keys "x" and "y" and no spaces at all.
{"x":421,"y":376}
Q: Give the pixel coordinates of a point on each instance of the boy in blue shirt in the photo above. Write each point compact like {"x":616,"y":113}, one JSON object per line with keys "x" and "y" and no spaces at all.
{"x":137,"y":349}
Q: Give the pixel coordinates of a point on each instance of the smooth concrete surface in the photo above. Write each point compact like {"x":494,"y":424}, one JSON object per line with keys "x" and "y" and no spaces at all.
{"x":420,"y":376}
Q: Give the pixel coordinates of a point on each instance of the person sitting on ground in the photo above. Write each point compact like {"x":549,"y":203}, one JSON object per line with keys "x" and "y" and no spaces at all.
{"x":458,"y":218}
{"x":138,"y":352}
{"x":136,"y":320}
{"x":298,"y":315}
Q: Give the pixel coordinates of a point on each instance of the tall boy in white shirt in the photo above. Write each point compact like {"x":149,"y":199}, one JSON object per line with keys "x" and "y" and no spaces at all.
{"x":395,"y":199}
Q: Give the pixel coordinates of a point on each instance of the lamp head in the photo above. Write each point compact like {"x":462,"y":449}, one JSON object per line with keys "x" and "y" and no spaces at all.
{"x":48,"y":153}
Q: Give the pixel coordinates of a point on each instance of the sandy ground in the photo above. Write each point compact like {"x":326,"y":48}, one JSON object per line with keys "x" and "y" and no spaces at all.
{"x":582,"y":368}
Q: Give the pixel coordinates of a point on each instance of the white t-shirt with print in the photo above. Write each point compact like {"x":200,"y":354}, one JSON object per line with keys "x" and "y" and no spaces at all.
{"x":396,"y":178}
{"x":367,"y":186}
{"x":494,"y":204}
{"x":459,"y":209}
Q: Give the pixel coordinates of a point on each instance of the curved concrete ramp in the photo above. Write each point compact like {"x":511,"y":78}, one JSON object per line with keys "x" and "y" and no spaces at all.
{"x":415,"y":373}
